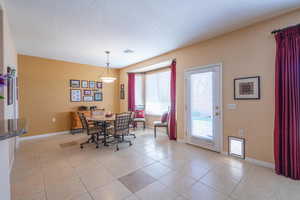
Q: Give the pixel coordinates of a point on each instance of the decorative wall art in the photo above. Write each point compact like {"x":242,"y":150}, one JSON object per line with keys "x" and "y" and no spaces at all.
{"x":122,"y":91}
{"x":92,"y":84}
{"x":75,"y":95}
{"x":98,"y":96}
{"x":87,"y":92}
{"x":84,"y":84}
{"x":247,"y":88}
{"x":75,"y":83}
{"x":99,"y":85}
{"x":88,"y":98}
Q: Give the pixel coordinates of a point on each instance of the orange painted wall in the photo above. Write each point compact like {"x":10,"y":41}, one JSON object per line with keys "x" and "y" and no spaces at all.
{"x":44,"y":92}
{"x":246,"y":52}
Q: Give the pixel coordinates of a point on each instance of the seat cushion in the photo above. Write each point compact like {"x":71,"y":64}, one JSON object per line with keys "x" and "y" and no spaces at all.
{"x":139,"y":119}
{"x":139,"y":114}
{"x":160,"y":124}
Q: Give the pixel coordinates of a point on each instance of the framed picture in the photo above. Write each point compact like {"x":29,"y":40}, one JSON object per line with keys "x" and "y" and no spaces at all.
{"x":98,"y":96}
{"x":247,"y":88}
{"x":84,"y":84}
{"x":88,"y":98}
{"x":87,"y":92}
{"x":99,"y":85}
{"x":75,"y":83}
{"x":122,"y":92}
{"x":75,"y":95}
{"x":92,"y":84}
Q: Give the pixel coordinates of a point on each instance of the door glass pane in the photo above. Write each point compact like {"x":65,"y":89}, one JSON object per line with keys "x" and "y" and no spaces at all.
{"x":201,"y":105}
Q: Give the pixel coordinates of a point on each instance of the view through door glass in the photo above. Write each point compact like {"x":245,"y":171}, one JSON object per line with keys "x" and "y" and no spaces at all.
{"x":202,"y":105}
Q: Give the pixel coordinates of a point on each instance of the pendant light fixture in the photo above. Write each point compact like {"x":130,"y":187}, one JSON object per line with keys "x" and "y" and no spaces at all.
{"x":107,"y":78}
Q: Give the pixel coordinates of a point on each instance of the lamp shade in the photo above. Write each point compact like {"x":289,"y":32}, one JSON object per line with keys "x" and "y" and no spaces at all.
{"x":107,"y":79}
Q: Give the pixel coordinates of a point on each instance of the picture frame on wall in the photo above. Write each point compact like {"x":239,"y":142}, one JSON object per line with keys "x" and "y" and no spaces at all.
{"x":247,"y":88}
{"x":87,"y":98}
{"x":87,"y":92}
{"x":99,"y":85}
{"x":75,"y":83}
{"x":84,"y":84}
{"x":122,"y":91}
{"x":98,"y":96}
{"x":92,"y":84}
{"x":75,"y":95}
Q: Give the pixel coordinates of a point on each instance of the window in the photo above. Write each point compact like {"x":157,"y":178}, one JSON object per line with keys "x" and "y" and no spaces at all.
{"x":139,"y":90}
{"x":157,"y":93}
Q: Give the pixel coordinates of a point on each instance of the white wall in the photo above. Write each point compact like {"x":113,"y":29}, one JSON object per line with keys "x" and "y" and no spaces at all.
{"x":8,"y":57}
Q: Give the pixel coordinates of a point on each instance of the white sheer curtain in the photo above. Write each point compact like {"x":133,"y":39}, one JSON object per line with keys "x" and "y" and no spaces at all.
{"x":157,"y":92}
{"x":139,"y":90}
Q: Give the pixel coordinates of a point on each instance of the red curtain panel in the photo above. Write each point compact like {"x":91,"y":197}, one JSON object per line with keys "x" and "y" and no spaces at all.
{"x":131,"y":92}
{"x":287,"y":103}
{"x":172,"y":117}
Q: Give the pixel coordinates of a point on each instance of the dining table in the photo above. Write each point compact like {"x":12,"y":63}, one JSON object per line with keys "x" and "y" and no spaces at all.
{"x":105,"y":121}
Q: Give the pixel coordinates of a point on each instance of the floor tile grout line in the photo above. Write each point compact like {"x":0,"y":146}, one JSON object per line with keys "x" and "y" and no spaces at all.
{"x":44,"y":183}
{"x":81,"y":181}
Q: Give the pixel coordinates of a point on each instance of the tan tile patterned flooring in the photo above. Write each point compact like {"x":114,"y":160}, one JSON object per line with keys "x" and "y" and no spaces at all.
{"x":149,"y":170}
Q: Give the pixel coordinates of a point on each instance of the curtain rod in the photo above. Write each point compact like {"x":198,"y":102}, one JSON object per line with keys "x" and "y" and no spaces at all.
{"x":278,"y":30}
{"x":143,"y":72}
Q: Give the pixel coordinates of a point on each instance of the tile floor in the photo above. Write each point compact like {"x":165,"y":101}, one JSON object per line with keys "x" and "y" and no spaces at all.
{"x":149,"y":170}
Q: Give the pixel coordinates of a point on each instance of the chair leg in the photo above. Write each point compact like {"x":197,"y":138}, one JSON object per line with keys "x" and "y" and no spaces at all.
{"x":90,"y":140}
{"x":154,"y":131}
{"x":167,"y":130}
{"x":144,"y":124}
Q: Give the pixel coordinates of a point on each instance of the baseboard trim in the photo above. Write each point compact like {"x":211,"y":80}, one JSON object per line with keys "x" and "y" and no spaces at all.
{"x":42,"y":135}
{"x":181,"y":141}
{"x":254,"y":161}
{"x":260,"y":163}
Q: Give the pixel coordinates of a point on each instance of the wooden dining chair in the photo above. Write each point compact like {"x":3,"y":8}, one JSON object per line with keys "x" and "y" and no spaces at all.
{"x":121,"y":128}
{"x":93,"y":131}
{"x":163,"y":123}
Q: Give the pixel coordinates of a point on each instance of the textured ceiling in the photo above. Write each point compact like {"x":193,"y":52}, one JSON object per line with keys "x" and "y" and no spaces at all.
{"x":81,"y":30}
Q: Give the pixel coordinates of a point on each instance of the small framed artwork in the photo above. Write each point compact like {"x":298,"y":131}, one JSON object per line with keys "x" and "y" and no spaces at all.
{"x":75,"y":95}
{"x":247,"y":88}
{"x":75,"y":83}
{"x":87,"y":92}
{"x":88,"y":98}
{"x":98,"y":96}
{"x":92,"y":84}
{"x":122,"y":92}
{"x":99,"y":85}
{"x":84,"y":84}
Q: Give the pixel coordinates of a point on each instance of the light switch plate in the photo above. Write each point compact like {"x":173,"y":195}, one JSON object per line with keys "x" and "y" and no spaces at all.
{"x":231,"y":106}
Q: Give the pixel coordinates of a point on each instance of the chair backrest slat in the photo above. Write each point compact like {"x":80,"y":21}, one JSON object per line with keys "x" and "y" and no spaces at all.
{"x":84,"y":122}
{"x":122,"y":121}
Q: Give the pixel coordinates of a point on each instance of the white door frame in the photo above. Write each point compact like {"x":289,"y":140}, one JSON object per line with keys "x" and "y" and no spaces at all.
{"x":186,"y":94}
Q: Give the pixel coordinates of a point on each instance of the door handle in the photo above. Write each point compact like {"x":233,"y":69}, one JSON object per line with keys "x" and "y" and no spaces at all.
{"x":217,"y":114}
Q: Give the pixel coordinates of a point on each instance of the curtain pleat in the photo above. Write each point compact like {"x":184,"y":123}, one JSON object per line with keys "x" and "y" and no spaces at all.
{"x":287,"y":103}
{"x":131,"y":92}
{"x":172,"y":116}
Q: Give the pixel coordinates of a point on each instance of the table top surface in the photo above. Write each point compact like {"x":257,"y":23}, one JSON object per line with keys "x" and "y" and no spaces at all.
{"x":101,"y":118}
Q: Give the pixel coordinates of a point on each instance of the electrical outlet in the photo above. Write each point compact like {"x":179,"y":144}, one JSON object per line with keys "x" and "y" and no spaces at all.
{"x":53,"y":119}
{"x":242,"y":132}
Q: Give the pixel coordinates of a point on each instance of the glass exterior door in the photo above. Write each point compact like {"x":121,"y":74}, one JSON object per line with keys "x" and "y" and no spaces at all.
{"x":203,"y":107}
